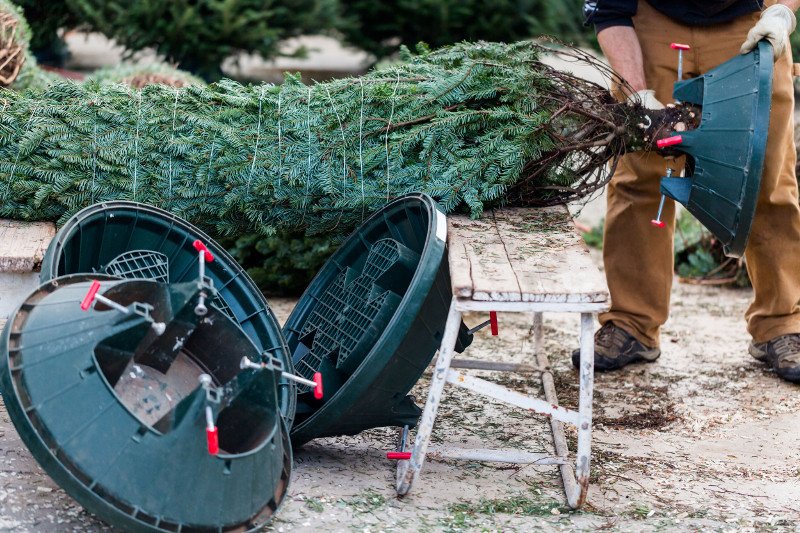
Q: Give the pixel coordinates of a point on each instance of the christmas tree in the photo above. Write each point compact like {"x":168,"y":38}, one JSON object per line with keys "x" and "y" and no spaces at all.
{"x":471,"y":124}
{"x":280,"y":264}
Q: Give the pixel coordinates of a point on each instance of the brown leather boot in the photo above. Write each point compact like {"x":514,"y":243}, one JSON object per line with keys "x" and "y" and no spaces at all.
{"x":782,"y":354}
{"x":614,"y":348}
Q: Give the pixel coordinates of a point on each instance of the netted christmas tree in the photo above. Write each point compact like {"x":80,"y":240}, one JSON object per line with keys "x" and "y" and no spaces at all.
{"x":280,"y":264}
{"x":473,"y":125}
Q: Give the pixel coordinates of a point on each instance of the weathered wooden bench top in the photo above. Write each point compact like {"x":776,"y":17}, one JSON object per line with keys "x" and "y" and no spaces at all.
{"x":22,"y":244}
{"x":522,"y":255}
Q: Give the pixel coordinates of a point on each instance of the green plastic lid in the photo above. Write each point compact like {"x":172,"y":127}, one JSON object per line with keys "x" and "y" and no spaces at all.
{"x":371,"y":321}
{"x":143,"y":414}
{"x":137,"y":241}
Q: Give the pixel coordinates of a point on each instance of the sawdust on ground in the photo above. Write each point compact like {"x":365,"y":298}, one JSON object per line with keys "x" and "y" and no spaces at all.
{"x":704,"y":439}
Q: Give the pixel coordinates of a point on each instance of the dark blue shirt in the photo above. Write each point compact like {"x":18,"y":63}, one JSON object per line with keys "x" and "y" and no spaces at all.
{"x":607,"y":13}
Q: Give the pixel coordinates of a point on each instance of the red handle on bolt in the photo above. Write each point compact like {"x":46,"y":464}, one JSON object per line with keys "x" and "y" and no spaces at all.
{"x":200,"y":247}
{"x":679,"y":46}
{"x":89,"y":298}
{"x":493,"y":322}
{"x":318,"y":388}
{"x":669,"y":141}
{"x":212,"y":437}
{"x":398,"y":456}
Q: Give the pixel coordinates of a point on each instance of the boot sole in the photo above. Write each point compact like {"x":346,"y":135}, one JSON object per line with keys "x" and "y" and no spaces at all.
{"x":602,"y":363}
{"x":792,"y":375}
{"x":789,"y":374}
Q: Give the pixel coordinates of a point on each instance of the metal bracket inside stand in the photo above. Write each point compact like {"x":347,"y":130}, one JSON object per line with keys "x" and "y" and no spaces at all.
{"x":213,"y":394}
{"x":136,"y":308}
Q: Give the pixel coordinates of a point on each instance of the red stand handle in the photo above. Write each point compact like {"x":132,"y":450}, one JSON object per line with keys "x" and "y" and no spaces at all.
{"x":200,"y":247}
{"x":212,"y":437}
{"x":318,"y":388}
{"x":669,"y":141}
{"x":658,"y":223}
{"x":89,"y":298}
{"x":679,"y":46}
{"x":398,"y":456}
{"x":493,"y":323}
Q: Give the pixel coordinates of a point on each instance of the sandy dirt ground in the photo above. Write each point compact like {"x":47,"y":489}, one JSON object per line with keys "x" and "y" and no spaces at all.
{"x":703,"y":439}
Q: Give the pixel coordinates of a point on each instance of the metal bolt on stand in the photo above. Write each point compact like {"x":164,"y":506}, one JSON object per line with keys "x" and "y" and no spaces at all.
{"x":316,"y":383}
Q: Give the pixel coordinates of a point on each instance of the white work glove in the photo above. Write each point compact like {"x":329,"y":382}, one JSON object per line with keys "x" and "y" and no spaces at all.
{"x":775,"y":25}
{"x":646,"y":97}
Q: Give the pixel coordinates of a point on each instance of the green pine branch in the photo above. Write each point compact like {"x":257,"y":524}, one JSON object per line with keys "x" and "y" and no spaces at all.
{"x":468,"y":124}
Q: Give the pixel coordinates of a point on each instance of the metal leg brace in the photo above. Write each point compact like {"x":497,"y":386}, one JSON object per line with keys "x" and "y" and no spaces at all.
{"x":408,"y":470}
{"x":575,"y":487}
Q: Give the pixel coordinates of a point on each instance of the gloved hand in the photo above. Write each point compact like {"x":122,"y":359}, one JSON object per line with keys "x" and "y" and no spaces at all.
{"x":647,"y":97}
{"x":775,"y":25}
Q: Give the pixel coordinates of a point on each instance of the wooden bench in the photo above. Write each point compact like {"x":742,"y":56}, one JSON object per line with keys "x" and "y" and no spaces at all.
{"x":517,"y":260}
{"x":22,"y":246}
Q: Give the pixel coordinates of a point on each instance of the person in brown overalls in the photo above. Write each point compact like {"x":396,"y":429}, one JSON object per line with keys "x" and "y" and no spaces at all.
{"x":635,"y":37}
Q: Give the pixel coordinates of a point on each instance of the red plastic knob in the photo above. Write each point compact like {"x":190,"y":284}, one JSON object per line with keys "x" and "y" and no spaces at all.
{"x":200,"y":247}
{"x":658,"y":223}
{"x":679,"y":46}
{"x":398,"y":456}
{"x":318,"y":388}
{"x":493,"y":323}
{"x":89,"y":298}
{"x":669,"y":141}
{"x":212,"y":437}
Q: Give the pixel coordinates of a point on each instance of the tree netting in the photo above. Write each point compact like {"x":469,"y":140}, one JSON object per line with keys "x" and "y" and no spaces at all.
{"x":473,"y":125}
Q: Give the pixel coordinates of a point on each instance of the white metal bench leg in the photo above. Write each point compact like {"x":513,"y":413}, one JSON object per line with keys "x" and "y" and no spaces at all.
{"x":408,"y":470}
{"x":584,"y":410}
{"x":574,"y":488}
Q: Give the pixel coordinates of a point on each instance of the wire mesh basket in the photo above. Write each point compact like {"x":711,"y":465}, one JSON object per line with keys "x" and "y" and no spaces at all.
{"x":140,"y":264}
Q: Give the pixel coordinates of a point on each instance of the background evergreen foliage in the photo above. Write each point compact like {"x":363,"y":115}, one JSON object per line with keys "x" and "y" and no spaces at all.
{"x":140,"y":75}
{"x":198,"y":34}
{"x":284,"y":263}
{"x":195,"y":34}
{"x":47,"y":17}
{"x":381,"y":27}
